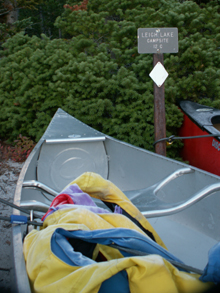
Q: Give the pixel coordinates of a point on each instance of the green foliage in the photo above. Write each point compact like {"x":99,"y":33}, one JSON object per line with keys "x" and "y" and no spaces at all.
{"x":8,"y":30}
{"x":98,"y":76}
{"x":27,"y":96}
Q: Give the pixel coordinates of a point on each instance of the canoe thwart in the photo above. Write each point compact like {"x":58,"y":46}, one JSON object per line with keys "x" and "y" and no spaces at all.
{"x":153,"y":189}
{"x":205,"y":192}
{"x":34,"y":205}
{"x":155,"y":207}
{"x":38,"y":185}
{"x":171,"y":177}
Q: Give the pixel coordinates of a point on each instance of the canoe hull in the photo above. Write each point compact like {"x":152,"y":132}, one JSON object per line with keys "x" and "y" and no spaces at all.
{"x":203,"y":153}
{"x":130,"y":168}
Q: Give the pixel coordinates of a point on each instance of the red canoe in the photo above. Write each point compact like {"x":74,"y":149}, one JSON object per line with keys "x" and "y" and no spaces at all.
{"x":203,"y":153}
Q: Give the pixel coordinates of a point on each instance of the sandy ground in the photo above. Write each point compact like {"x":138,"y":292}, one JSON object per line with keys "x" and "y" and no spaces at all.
{"x":9,"y":172}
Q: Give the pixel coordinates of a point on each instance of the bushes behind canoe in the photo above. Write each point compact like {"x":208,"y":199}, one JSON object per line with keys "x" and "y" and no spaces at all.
{"x":98,"y":75}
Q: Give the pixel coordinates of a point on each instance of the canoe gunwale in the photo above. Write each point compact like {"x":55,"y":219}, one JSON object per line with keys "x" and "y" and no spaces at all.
{"x":18,"y":274}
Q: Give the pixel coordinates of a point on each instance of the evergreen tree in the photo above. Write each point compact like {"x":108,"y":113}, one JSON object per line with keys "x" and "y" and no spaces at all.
{"x":98,"y":76}
{"x":9,"y":11}
{"x":43,"y":18}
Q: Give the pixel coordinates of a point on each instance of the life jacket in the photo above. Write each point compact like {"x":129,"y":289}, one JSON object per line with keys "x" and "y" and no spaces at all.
{"x":73,"y":253}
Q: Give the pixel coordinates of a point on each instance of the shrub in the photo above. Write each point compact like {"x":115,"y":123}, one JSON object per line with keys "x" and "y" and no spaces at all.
{"x":98,"y":76}
{"x":19,"y":152}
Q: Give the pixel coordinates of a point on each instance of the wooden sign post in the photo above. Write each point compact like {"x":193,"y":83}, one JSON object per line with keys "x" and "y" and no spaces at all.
{"x":158,"y":41}
{"x":159,"y":111}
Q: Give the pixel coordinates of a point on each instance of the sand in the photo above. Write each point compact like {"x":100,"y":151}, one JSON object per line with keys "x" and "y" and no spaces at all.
{"x":9,"y":172}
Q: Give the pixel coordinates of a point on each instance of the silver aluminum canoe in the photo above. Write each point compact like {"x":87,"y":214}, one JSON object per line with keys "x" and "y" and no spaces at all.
{"x":180,"y":201}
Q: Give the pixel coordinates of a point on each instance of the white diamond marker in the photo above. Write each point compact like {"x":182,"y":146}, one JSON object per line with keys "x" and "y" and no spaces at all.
{"x":159,"y":74}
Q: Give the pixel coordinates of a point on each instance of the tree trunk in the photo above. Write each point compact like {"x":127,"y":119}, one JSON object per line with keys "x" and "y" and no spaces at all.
{"x":12,"y":15}
{"x":42,"y":20}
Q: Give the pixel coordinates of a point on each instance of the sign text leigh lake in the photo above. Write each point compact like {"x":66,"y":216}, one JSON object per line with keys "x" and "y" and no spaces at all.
{"x":157,"y":40}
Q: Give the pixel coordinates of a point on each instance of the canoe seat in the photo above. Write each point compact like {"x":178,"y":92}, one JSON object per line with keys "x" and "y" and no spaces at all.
{"x":63,"y":160}
{"x":155,"y":207}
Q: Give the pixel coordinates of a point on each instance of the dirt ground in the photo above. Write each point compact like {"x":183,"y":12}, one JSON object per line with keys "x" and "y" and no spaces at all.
{"x":9,"y":172}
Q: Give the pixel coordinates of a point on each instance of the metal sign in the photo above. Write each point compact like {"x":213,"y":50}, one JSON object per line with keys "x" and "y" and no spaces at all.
{"x":157,"y":40}
{"x":159,"y":74}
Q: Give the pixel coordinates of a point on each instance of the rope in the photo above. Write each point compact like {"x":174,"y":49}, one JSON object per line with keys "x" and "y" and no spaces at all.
{"x":175,"y":263}
{"x":13,"y":217}
{"x":17,"y":207}
{"x":171,"y":138}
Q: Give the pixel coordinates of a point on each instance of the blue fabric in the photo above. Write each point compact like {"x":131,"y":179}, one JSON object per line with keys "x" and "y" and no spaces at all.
{"x":117,"y":284}
{"x":63,"y":250}
{"x":123,"y":237}
{"x":212,"y":269}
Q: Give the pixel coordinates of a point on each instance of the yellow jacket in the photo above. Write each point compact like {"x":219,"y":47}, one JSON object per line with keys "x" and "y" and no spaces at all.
{"x":152,"y":273}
